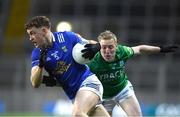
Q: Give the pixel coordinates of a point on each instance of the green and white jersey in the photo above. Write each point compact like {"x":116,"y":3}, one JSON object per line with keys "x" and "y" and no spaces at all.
{"x":112,"y":74}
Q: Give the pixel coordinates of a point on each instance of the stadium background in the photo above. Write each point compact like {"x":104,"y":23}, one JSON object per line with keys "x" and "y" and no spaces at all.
{"x":156,"y":78}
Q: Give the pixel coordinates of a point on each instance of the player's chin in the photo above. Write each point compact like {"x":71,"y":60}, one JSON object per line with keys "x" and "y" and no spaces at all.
{"x":36,"y":45}
{"x":108,"y":59}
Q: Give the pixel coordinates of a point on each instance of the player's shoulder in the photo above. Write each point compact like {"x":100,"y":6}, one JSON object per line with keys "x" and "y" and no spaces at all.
{"x":66,"y":34}
{"x":123,"y":49}
{"x":120,"y":47}
{"x":35,"y":51}
{"x":69,"y":33}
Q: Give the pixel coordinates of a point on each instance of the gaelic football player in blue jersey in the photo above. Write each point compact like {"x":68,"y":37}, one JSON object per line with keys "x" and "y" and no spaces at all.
{"x":53,"y":52}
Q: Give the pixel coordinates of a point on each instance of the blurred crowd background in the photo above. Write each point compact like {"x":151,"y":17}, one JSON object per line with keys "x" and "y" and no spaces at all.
{"x":156,"y":78}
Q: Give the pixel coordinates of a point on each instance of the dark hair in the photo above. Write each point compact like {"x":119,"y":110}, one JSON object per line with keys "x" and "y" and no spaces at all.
{"x":38,"y":21}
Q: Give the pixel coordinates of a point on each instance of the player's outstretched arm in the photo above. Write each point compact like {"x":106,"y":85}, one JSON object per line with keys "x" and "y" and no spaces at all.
{"x":147,"y":49}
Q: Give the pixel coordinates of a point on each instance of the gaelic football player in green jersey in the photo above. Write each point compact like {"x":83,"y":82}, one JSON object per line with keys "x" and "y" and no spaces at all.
{"x":109,"y":66}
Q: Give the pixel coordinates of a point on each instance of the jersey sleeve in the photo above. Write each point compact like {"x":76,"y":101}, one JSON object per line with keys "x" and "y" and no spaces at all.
{"x":77,"y":38}
{"x":35,"y":57}
{"x":124,"y":52}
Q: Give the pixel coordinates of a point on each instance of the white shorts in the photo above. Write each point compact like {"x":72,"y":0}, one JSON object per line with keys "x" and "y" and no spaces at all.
{"x":93,"y":84}
{"x":110,"y":103}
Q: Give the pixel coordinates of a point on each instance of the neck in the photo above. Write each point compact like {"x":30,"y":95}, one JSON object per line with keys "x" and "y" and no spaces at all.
{"x":49,"y":40}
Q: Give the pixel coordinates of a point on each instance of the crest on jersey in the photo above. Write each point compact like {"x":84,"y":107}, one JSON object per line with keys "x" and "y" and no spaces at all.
{"x":64,"y":49}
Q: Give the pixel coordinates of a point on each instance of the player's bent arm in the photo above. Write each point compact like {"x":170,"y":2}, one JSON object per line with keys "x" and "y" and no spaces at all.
{"x":89,"y":41}
{"x":92,"y":41}
{"x":86,"y":40}
{"x":146,"y":49}
{"x":36,"y":76}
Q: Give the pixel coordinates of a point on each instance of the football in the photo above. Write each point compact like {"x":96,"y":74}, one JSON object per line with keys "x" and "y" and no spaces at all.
{"x":77,"y":54}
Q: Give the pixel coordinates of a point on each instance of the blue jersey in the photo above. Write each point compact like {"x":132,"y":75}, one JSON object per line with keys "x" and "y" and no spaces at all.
{"x":60,"y":63}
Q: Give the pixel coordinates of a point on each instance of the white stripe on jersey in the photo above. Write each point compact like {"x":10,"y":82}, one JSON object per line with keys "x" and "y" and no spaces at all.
{"x":34,"y":61}
{"x":60,"y":38}
{"x":53,"y":37}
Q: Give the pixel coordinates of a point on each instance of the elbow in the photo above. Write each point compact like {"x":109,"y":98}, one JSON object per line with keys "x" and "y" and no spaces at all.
{"x":142,"y":49}
{"x":35,"y":85}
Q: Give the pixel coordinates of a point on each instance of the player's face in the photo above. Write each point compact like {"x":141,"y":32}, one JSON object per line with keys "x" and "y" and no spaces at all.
{"x":37,"y":36}
{"x":108,"y":49}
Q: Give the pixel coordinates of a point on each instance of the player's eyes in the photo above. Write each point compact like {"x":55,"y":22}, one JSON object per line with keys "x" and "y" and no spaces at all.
{"x":107,"y":47}
{"x":32,"y":33}
{"x":104,"y":48}
{"x":110,"y":47}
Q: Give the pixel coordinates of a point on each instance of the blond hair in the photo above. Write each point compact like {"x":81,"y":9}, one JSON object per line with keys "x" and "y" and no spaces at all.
{"x":107,"y":35}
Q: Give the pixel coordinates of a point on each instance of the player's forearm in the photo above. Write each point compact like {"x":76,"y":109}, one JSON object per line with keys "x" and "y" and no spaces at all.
{"x":36,"y":76}
{"x":146,"y":49}
{"x":92,"y":41}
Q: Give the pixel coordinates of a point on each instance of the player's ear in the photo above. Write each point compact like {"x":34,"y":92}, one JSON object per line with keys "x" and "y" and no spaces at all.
{"x":44,"y":29}
{"x":115,"y":43}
